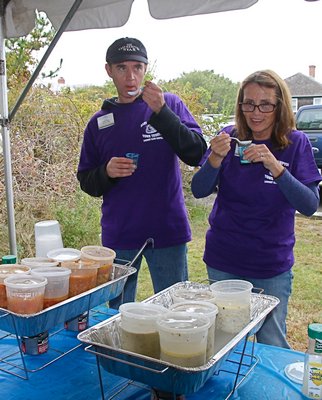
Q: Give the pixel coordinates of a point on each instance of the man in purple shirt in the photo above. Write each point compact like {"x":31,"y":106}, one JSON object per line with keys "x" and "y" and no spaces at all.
{"x":145,"y":200}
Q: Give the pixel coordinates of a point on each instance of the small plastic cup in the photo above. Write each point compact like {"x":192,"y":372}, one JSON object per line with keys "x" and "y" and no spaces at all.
{"x":104,"y":257}
{"x":5,"y":271}
{"x":241,"y":150}
{"x":233,"y":299}
{"x":57,"y":288}
{"x":138,"y":328}
{"x":134,"y":157}
{"x":83,"y":276}
{"x":183,"y":338}
{"x":206,"y":308}
{"x":25,"y":293}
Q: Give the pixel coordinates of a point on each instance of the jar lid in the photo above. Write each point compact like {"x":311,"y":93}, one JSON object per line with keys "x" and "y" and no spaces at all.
{"x":315,"y":331}
{"x":193,"y":294}
{"x":9,"y":259}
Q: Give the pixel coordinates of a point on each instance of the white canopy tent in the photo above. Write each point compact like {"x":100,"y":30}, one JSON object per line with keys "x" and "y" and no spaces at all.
{"x":17,"y":18}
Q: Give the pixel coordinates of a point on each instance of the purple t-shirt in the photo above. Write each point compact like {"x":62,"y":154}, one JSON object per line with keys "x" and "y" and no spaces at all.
{"x":149,"y":203}
{"x":252,"y":224}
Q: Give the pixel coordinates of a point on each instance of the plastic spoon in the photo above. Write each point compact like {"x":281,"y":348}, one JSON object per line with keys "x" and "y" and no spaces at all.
{"x":134,"y":92}
{"x":241,"y":142}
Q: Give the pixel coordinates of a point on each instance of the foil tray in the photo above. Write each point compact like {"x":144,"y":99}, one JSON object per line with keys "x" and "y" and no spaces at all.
{"x":104,"y":341}
{"x":33,"y":324}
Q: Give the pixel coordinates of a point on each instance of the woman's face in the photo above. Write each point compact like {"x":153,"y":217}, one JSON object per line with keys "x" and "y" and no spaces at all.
{"x":261,"y":124}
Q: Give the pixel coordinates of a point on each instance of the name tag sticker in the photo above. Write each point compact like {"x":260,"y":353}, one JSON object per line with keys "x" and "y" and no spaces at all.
{"x":105,"y":120}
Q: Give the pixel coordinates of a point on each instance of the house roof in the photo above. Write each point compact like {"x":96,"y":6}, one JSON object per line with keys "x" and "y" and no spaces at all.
{"x":302,"y":85}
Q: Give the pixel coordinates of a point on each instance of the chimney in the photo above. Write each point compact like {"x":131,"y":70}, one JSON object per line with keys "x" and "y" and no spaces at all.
{"x":312,"y":71}
{"x":61,"y":81}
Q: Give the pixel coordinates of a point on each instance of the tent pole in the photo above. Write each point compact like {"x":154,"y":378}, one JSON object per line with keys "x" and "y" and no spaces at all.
{"x":6,"y":145}
{"x":50,"y":48}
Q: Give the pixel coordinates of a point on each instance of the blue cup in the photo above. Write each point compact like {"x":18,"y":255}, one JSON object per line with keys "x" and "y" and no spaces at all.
{"x":133,"y":156}
{"x":241,"y":150}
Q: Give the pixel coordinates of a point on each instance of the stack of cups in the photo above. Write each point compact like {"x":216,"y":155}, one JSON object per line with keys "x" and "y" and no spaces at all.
{"x":47,"y":237}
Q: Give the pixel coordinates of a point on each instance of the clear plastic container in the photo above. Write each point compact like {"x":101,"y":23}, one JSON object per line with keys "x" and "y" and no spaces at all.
{"x":83,"y":276}
{"x":102,"y":255}
{"x":233,"y":299}
{"x":57,"y":288}
{"x":183,"y":338}
{"x":5,"y":271}
{"x":206,"y":308}
{"x":25,"y":293}
{"x":138,"y":329}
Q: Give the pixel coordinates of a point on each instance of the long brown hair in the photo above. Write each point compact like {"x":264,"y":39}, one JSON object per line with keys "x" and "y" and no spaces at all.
{"x":285,"y":121}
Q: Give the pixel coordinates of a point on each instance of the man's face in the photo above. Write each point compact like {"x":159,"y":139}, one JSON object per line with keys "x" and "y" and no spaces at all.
{"x":127,"y":77}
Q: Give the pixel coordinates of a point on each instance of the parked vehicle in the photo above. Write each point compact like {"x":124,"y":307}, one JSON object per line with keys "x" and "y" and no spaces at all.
{"x":309,"y":120}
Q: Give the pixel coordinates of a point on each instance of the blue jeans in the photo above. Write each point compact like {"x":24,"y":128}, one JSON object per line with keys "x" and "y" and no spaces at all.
{"x":167,"y":266}
{"x":273,"y":330}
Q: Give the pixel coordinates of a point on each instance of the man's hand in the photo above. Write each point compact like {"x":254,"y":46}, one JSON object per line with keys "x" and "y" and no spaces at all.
{"x":153,"y":96}
{"x":120,"y":167}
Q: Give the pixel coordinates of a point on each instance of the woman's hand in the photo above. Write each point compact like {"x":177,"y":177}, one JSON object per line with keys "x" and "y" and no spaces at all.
{"x":120,"y":167}
{"x":220,"y":146}
{"x":256,"y":153}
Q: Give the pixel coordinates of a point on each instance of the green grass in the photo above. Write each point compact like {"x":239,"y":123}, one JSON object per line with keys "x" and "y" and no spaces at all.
{"x":305,"y":304}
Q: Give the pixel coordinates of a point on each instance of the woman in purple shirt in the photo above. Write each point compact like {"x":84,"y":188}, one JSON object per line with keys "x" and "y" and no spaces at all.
{"x":251,"y":234}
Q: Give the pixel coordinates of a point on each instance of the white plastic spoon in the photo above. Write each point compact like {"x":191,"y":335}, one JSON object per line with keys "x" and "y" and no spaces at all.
{"x":241,"y":142}
{"x":134,"y":92}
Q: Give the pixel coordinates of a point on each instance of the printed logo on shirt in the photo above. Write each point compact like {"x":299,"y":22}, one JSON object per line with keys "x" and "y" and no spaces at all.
{"x":105,"y":121}
{"x":268,"y":177}
{"x":150,"y":133}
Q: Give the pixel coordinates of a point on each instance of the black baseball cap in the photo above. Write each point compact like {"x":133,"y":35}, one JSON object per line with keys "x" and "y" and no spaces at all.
{"x":126,"y":49}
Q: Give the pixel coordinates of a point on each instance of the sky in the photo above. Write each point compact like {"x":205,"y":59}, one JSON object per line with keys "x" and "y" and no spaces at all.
{"x":283,"y":35}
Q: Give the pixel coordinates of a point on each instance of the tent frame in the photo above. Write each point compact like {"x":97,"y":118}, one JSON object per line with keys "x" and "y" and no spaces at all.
{"x":6,"y":117}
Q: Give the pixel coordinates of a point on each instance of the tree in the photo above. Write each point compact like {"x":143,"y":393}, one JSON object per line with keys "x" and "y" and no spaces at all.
{"x":217,"y":94}
{"x":21,"y":54}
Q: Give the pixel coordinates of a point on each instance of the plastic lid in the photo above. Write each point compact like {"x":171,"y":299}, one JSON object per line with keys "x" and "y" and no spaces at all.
{"x":9,"y":269}
{"x":231,"y":286}
{"x":295,"y":372}
{"x":35,"y":262}
{"x":64,"y":254}
{"x":199,"y":307}
{"x":25,"y":281}
{"x":141,"y":310}
{"x":9,"y":259}
{"x":51,"y":272}
{"x":194,"y":294}
{"x":315,"y":331}
{"x":184,"y":322}
{"x":98,"y":252}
